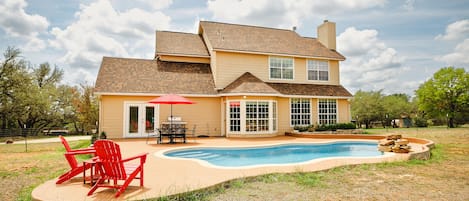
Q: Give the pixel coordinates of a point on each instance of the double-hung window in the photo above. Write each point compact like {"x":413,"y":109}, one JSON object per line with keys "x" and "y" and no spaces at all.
{"x":327,"y":111}
{"x":318,"y":70}
{"x":300,"y":111}
{"x":281,"y":68}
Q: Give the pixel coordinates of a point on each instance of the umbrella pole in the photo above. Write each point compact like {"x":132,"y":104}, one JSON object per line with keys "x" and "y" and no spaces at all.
{"x":171,"y":120}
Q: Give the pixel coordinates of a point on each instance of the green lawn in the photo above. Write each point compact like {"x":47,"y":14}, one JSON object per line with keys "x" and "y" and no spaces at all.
{"x":22,"y":171}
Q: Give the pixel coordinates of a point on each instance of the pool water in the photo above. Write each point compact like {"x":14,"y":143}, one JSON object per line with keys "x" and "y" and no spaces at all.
{"x":278,"y":154}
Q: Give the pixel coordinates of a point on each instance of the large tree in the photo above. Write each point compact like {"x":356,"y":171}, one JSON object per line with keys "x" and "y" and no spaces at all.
{"x":446,"y":94}
{"x":367,"y":107}
{"x":14,"y":82}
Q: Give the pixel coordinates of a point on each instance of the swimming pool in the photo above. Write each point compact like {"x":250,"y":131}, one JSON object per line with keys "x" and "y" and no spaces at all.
{"x":276,"y":154}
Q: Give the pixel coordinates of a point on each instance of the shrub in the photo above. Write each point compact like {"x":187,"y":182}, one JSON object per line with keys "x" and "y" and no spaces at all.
{"x":420,"y":122}
{"x":334,"y":127}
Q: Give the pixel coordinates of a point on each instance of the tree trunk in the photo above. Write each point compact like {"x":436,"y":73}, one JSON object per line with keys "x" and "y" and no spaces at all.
{"x":451,"y":122}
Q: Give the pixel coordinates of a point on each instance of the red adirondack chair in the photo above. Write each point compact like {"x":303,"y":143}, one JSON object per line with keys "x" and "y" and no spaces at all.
{"x":112,"y":167}
{"x":72,"y":161}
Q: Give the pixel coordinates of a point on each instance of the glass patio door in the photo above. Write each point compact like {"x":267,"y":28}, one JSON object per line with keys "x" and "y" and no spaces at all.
{"x":140,"y":119}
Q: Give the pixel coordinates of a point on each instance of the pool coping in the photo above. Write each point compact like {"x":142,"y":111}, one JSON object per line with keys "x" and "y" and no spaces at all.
{"x":210,"y":165}
{"x":171,"y":176}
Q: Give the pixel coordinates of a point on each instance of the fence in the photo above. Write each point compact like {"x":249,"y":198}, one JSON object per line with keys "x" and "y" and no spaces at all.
{"x":20,"y":132}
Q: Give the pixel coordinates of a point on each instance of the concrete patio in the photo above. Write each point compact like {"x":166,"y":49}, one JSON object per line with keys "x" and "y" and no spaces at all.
{"x":165,"y":176}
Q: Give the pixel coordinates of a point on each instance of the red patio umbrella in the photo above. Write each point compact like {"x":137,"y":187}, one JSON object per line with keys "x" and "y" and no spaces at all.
{"x":171,"y":99}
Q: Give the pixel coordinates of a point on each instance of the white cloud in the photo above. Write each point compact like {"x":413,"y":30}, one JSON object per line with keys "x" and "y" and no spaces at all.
{"x":370,"y":64}
{"x":17,"y":23}
{"x":456,"y":31}
{"x":100,"y":30}
{"x":458,"y":58}
{"x":283,"y":13}
{"x":157,"y":4}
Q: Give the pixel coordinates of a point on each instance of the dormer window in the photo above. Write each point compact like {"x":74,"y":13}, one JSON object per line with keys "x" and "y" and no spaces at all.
{"x":281,"y":68}
{"x":318,"y":70}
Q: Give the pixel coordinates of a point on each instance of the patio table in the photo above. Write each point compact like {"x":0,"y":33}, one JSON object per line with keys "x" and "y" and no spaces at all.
{"x":172,"y":130}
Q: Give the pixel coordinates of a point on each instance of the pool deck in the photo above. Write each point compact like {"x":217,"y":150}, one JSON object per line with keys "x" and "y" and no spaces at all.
{"x":166,"y":176}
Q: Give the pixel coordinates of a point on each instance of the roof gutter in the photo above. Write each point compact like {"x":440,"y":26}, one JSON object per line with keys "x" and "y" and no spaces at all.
{"x":223,"y":95}
{"x":276,"y":54}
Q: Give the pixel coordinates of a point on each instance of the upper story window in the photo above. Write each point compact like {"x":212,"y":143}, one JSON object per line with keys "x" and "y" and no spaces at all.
{"x":281,"y":68}
{"x":318,"y":70}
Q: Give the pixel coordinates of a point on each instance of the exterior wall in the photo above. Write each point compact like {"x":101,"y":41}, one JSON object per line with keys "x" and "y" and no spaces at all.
{"x":111,"y":116}
{"x":343,"y":111}
{"x":283,"y":105}
{"x":185,"y":59}
{"x":334,"y":74}
{"x":229,"y":66}
{"x":205,"y":114}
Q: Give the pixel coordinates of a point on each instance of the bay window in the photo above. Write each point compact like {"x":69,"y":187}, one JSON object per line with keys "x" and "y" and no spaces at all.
{"x":255,"y":116}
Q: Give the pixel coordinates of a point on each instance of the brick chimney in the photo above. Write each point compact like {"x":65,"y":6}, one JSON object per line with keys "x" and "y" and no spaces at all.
{"x":326,"y":34}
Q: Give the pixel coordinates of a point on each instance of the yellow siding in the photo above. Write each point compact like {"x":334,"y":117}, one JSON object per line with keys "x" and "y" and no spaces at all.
{"x":314,"y":111}
{"x":205,"y":114}
{"x":184,"y":59}
{"x":228,"y":66}
{"x":334,"y":75}
{"x":283,"y":105}
{"x":343,"y":111}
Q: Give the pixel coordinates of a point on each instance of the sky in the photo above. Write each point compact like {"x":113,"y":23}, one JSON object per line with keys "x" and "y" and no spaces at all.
{"x":393,"y":46}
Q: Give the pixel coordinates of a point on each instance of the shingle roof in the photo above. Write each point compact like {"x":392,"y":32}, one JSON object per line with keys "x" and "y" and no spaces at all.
{"x":248,"y":83}
{"x":311,"y":89}
{"x":176,"y":43}
{"x":123,"y":75}
{"x":233,"y":37}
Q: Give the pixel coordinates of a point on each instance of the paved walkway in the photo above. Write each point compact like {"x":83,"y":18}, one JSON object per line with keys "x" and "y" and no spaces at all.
{"x":53,"y":139}
{"x":166,"y":176}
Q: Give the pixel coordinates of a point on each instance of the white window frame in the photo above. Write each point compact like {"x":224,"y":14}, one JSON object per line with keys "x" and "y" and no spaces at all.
{"x":234,"y":119}
{"x":328,"y":112}
{"x":317,"y":68}
{"x":300,"y":113}
{"x":272,"y":117}
{"x":282,"y":68}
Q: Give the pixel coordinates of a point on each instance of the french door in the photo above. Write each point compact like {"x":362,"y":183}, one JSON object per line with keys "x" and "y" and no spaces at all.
{"x":140,"y":119}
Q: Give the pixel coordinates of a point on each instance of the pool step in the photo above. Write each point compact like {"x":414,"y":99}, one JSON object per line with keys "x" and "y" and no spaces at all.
{"x":197,"y":154}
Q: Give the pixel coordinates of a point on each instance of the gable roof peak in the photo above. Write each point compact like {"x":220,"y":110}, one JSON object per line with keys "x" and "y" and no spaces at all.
{"x":263,"y":40}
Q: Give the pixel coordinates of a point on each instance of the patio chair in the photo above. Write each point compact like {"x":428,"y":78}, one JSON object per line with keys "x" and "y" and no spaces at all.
{"x":111,"y":166}
{"x":156,"y":134}
{"x":193,"y":133}
{"x":72,"y":161}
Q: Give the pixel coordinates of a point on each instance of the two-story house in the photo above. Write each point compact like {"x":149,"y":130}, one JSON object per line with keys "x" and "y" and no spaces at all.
{"x":245,"y":80}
